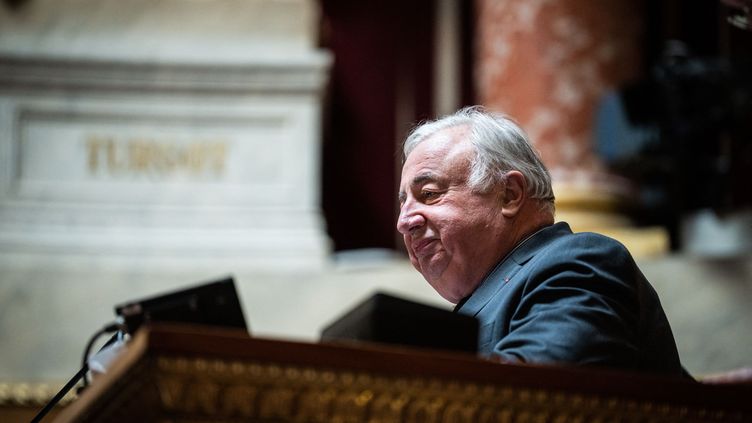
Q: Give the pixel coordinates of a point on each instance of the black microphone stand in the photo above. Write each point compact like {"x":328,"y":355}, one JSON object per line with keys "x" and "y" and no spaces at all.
{"x":59,"y":396}
{"x":71,"y":383}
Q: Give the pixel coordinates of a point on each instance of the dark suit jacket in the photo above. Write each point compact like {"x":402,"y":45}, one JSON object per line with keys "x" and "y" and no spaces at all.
{"x":560,"y":297}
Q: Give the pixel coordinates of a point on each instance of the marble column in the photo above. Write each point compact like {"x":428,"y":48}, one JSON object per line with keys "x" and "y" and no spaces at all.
{"x":546,"y":63}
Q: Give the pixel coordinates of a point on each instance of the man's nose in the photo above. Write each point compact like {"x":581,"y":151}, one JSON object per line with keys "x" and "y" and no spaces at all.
{"x":409,"y":220}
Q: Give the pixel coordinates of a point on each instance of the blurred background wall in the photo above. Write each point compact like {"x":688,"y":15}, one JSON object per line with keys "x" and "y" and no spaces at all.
{"x":149,"y":145}
{"x":640,"y":109}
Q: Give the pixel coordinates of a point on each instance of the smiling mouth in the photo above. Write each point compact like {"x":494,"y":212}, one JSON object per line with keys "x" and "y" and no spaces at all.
{"x":421,"y":247}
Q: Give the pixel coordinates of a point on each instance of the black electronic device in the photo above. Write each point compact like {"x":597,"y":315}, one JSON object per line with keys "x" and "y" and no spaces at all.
{"x":214,"y":303}
{"x":384,"y":318}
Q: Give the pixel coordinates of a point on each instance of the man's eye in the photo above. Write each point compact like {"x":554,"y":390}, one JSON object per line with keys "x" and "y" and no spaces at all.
{"x":429,"y":195}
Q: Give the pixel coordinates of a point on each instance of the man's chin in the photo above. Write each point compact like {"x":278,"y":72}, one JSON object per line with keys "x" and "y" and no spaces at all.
{"x":449,"y":296}
{"x":449,"y":288}
{"x":434,"y":277}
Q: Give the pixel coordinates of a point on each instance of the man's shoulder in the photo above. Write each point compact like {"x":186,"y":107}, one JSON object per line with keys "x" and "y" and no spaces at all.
{"x":592,"y":243}
{"x":581,"y":248}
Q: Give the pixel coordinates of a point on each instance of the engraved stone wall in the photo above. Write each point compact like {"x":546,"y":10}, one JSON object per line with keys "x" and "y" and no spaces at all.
{"x":144,"y":146}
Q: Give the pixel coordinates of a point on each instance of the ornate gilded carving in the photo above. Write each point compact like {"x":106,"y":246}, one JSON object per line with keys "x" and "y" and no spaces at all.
{"x":31,"y":394}
{"x":268,"y":392}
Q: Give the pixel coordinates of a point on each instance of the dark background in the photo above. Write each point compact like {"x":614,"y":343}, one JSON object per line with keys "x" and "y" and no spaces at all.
{"x":381,"y":85}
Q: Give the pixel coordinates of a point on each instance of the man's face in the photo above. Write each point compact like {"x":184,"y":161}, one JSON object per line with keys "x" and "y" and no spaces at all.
{"x":453,"y":235}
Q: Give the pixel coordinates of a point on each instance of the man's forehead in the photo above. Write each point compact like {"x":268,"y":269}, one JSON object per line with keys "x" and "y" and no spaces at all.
{"x":441,"y":151}
{"x":445,"y":141}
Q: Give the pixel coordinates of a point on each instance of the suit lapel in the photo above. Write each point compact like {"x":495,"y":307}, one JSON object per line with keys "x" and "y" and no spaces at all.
{"x":509,"y":266}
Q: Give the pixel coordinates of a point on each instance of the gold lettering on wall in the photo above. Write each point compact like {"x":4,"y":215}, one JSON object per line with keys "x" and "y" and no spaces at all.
{"x":155,"y":157}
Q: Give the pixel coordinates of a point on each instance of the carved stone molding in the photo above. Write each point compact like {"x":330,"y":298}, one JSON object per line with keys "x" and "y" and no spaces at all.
{"x":297,"y":75}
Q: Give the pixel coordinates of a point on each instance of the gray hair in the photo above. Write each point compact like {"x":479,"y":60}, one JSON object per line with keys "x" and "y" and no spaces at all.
{"x":500,"y":146}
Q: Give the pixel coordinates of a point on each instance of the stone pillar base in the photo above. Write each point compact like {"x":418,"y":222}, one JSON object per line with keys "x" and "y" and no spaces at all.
{"x":595,"y":209}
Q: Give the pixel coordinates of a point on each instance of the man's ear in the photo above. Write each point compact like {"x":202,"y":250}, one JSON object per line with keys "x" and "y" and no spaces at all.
{"x":514,"y":193}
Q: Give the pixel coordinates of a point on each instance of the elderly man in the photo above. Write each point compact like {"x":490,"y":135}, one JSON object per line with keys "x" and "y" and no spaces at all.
{"x":477,"y":217}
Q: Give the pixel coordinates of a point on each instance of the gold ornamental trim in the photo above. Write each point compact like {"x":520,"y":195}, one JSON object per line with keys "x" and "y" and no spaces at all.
{"x":31,"y":394}
{"x":247,"y":390}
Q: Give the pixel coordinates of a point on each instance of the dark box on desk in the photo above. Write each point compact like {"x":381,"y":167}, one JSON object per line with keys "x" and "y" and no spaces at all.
{"x":387,"y":319}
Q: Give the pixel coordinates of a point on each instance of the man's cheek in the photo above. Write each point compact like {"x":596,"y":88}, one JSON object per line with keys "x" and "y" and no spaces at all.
{"x":411,"y":255}
{"x":415,"y":264}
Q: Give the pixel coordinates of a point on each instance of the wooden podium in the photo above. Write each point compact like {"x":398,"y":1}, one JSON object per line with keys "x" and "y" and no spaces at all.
{"x":183,"y":374}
